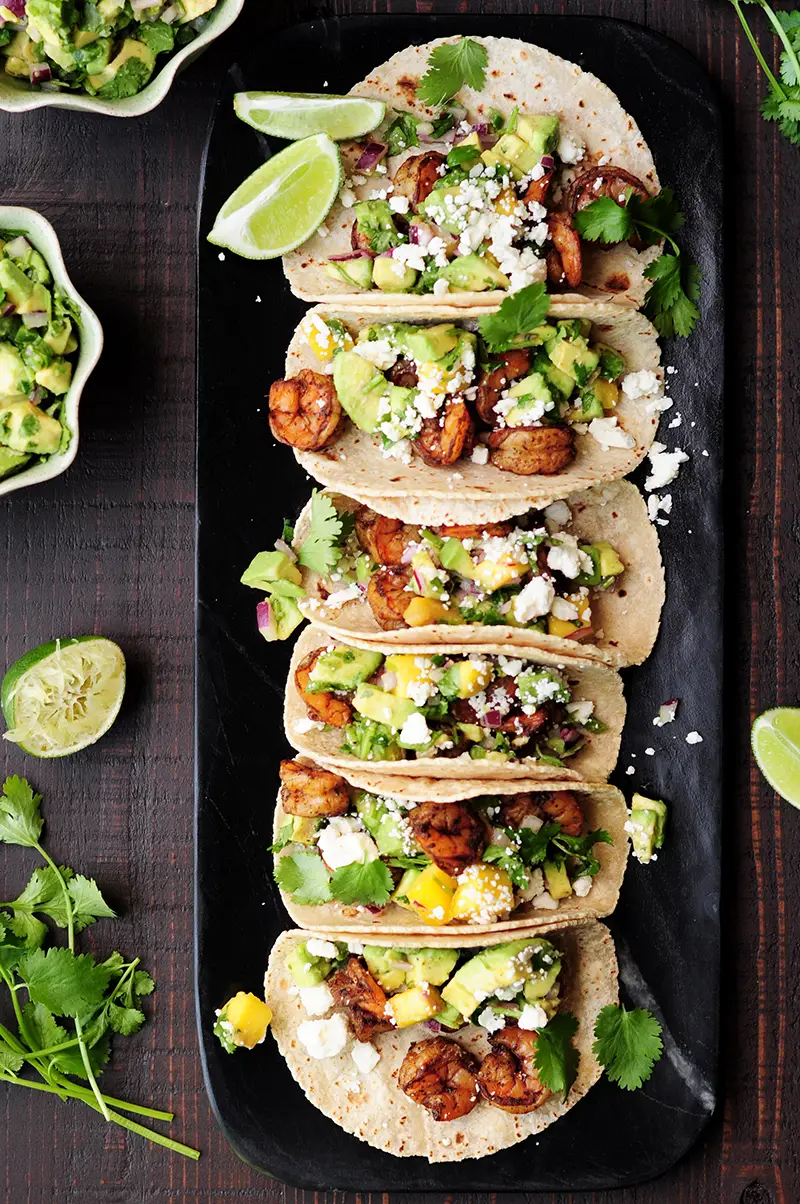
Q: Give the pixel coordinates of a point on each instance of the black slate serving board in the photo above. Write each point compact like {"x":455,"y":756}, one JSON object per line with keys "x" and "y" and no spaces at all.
{"x":667,"y":924}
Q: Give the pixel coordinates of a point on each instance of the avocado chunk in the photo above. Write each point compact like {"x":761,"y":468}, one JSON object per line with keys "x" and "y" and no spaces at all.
{"x":392,"y":276}
{"x":470,"y":273}
{"x":540,"y":132}
{"x":612,"y":364}
{"x":16,"y":285}
{"x":383,"y":708}
{"x":455,"y":558}
{"x":560,"y":382}
{"x":537,"y":686}
{"x":433,"y":209}
{"x":557,"y":879}
{"x":306,"y":969}
{"x":427,"y":343}
{"x":489,"y":971}
{"x":520,"y":157}
{"x":375,"y":223}
{"x":343,"y":669}
{"x":589,"y":407}
{"x":400,"y":894}
{"x":57,"y":377}
{"x":11,"y":462}
{"x":575,"y":360}
{"x":57,"y":336}
{"x":359,"y":387}
{"x":304,"y":828}
{"x":450,"y":1017}
{"x":388,"y":966}
{"x":127,"y":73}
{"x":533,"y":393}
{"x":610,"y":563}
{"x":648,"y":820}
{"x":26,"y":428}
{"x":385,"y":826}
{"x":268,"y":567}
{"x":357,"y":272}
{"x":433,"y":966}
{"x":15,"y":378}
{"x":574,"y":328}
{"x":544,"y":979}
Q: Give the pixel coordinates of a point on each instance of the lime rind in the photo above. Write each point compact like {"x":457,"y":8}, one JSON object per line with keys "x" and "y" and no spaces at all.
{"x":63,"y":696}
{"x":283,"y":202}
{"x":294,"y":115}
{"x":775,"y":741}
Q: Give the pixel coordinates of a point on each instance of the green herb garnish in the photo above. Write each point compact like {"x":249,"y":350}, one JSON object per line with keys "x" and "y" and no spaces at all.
{"x":451,"y":66}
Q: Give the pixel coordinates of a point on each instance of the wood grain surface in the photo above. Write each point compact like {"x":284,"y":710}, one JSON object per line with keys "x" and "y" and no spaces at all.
{"x":109,"y":548}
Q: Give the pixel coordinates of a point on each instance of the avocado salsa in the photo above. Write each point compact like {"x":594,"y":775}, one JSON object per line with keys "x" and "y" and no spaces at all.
{"x":472,"y":862}
{"x":107,"y":49}
{"x":430,"y":390}
{"x":401,"y":706}
{"x":39,"y":328}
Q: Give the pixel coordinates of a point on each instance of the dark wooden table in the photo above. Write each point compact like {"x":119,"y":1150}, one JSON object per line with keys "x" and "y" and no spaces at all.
{"x":109,"y":548}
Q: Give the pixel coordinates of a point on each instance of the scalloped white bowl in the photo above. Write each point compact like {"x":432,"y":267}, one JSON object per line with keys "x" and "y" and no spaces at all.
{"x":16,"y":96}
{"x":39,"y":232}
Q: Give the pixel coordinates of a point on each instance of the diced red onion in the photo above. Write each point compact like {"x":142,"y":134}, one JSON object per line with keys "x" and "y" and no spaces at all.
{"x":7,"y":309}
{"x":37,"y":395}
{"x":18,"y":246}
{"x":547,"y":161}
{"x":352,"y":255}
{"x":492,"y":719}
{"x":263,"y":616}
{"x":282,"y":546}
{"x":373,"y":907}
{"x":35,"y":319}
{"x":388,"y":681}
{"x":40,"y":73}
{"x":569,"y":735}
{"x":433,"y":1026}
{"x":419,"y":580}
{"x":171,"y":14}
{"x":481,"y":128}
{"x":489,"y":140}
{"x":407,"y":554}
{"x":420,"y":234}
{"x":371,"y":155}
{"x":16,"y":8}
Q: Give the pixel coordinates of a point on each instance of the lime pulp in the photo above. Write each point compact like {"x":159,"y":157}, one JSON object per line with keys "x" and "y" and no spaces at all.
{"x":294,"y":115}
{"x":776,"y":747}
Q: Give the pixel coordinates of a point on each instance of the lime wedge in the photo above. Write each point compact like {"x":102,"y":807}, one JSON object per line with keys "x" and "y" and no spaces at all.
{"x":282,"y":203}
{"x":295,"y":115}
{"x":62,"y":696}
{"x":776,"y":748}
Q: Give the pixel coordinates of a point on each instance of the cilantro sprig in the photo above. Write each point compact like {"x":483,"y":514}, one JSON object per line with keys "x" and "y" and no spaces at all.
{"x":671,"y":302}
{"x":452,"y":66}
{"x":321,"y":549}
{"x":304,"y":875}
{"x":518,"y":314}
{"x":782,"y":102}
{"x":74,"y":1003}
{"x":556,"y":1058}
{"x":628,"y":1044}
{"x":530,"y":849}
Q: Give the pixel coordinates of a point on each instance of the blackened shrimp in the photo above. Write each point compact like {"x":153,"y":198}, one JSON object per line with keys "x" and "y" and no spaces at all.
{"x":384,"y":539}
{"x":564,"y":259}
{"x":354,"y":989}
{"x":304,"y":411}
{"x":532,"y":450}
{"x":448,"y":436}
{"x":452,"y":834}
{"x":563,"y":808}
{"x":514,"y":364}
{"x":416,"y":176}
{"x":389,"y":597}
{"x":439,"y":1075}
{"x":508,"y":1078}
{"x":311,"y":791}
{"x":476,"y":531}
{"x":321,"y":706}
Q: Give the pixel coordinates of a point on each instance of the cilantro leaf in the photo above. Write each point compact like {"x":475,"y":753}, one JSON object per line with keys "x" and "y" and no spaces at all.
{"x":362,"y":884}
{"x":143,"y":983}
{"x":604,"y":221}
{"x":519,"y":314}
{"x":320,"y":549}
{"x":782,"y":103}
{"x":791,"y":26}
{"x":67,"y":984}
{"x":10,"y":1060}
{"x":125,"y":1021}
{"x":451,"y":66}
{"x":628,"y":1044}
{"x":43,"y":1027}
{"x":284,"y":838}
{"x":20,"y":819}
{"x":69,"y":1061}
{"x":88,"y":904}
{"x":402,"y":133}
{"x":556,"y":1058}
{"x":671,"y":302}
{"x":222,"y":1035}
{"x":509,"y":861}
{"x":304,"y":876}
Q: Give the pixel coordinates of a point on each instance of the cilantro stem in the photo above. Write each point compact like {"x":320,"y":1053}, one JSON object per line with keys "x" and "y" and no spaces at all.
{"x":774,"y":83}
{"x":53,"y":1049}
{"x":785,"y":39}
{"x":661,"y":233}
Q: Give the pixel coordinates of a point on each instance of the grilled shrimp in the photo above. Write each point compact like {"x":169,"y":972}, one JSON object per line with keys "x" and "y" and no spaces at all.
{"x":321,"y":706}
{"x":447,"y":437}
{"x":614,"y":183}
{"x":416,"y":177}
{"x":537,"y":190}
{"x":563,"y":808}
{"x":384,"y":539}
{"x":532,"y":449}
{"x":514,"y":810}
{"x":450,"y":833}
{"x":513,"y":366}
{"x":388,"y":596}
{"x":525,"y":725}
{"x":354,"y":989}
{"x":474,"y":532}
{"x":440,"y":1076}
{"x":564,"y":259}
{"x":304,"y":411}
{"x":311,"y":791}
{"x":404,"y":374}
{"x":508,"y":1077}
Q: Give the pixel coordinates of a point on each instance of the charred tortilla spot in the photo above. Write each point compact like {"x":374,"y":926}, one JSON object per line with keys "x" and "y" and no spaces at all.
{"x":408,"y":86}
{"x":618,"y":283}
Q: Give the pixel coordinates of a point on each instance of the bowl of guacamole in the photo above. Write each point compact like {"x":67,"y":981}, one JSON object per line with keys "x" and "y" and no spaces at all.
{"x":50,"y":341}
{"x":116,"y":57}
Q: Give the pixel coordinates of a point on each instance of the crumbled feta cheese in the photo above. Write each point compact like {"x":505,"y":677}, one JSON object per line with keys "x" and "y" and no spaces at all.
{"x":320,"y":948}
{"x":399,"y":204}
{"x":491,"y":1020}
{"x":348,"y":198}
{"x":378,"y":352}
{"x":609,"y":433}
{"x":665,"y":466}
{"x":440,"y":287}
{"x":415,"y":730}
{"x":318,"y":1000}
{"x":582,"y":886}
{"x":566,"y":557}
{"x":570,"y":149}
{"x":532,"y":1016}
{"x":356,"y":947}
{"x":563,"y":609}
{"x":480,"y":454}
{"x":641,"y":384}
{"x":365,"y":1056}
{"x":558,"y":513}
{"x":534,"y":600}
{"x":323,"y":1038}
{"x":581,"y":711}
{"x":302,"y":726}
{"x":545,"y":901}
{"x":340,"y":596}
{"x":649,"y":752}
{"x":410,"y":255}
{"x":694,"y":738}
{"x":344,"y":841}
{"x":656,"y":504}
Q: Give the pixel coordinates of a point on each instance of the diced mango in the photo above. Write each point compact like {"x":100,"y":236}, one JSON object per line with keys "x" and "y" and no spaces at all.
{"x":471,"y":677}
{"x":506,"y":202}
{"x":562,"y":628}
{"x":610,"y":563}
{"x":431,"y":895}
{"x":249,"y":1017}
{"x":414,"y":1005}
{"x":606,"y":392}
{"x":484,"y":892}
{"x":409,"y":670}
{"x":432,"y":379}
{"x":422,"y":611}
{"x":322,"y":340}
{"x":492,"y":575}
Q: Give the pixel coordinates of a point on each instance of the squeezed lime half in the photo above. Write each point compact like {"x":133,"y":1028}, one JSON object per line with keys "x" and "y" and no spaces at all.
{"x":62,"y":696}
{"x":294,"y":115}
{"x":282,"y":203}
{"x":776,"y":747}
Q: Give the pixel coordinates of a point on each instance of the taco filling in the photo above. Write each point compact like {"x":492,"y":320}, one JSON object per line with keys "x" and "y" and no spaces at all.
{"x":473,"y":861}
{"x":444,"y":393}
{"x":403,"y":706}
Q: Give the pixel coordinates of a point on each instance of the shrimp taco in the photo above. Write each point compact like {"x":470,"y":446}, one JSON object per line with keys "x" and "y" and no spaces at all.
{"x":461,"y":199}
{"x":389,"y":854}
{"x":436,"y":1052}
{"x":581,"y":577}
{"x":470,"y":420}
{"x":488,"y":711}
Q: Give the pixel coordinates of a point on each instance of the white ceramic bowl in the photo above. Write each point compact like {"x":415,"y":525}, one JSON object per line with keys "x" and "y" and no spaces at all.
{"x":39,"y":232}
{"x":17,"y":96}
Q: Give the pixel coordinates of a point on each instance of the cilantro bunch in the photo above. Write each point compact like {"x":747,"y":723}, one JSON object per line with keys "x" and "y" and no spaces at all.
{"x":671,"y":302}
{"x":782,"y":103}
{"x":67,"y":1005}
{"x":531,"y":849}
